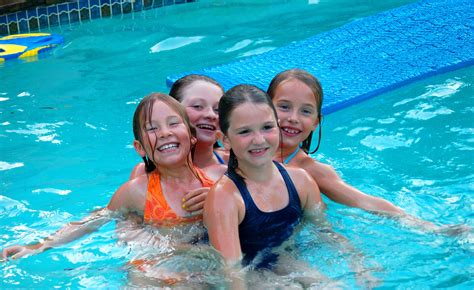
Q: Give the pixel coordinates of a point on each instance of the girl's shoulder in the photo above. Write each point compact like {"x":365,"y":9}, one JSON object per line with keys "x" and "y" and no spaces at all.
{"x":215,"y":171}
{"x":131,"y":195}
{"x":299,"y":175}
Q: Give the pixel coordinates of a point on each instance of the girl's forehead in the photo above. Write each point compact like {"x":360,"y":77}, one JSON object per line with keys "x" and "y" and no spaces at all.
{"x":161,"y":110}
{"x":252,"y":111}
{"x":201,"y":88}
{"x":295,"y":90}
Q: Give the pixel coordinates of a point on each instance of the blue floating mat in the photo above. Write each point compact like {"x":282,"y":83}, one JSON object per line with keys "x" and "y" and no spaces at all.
{"x":369,"y":56}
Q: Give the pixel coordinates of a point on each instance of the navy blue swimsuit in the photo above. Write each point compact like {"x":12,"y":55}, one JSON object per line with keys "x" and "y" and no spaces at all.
{"x":260,"y":231}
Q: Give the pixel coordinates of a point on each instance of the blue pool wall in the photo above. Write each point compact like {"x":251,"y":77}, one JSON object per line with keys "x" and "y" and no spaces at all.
{"x":42,"y":18}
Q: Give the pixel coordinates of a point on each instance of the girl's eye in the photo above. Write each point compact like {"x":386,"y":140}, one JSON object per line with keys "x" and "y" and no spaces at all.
{"x":243,"y":132}
{"x":268,"y":127}
{"x":283,"y":107}
{"x":173,"y":124}
{"x":216,"y":110}
{"x":307,"y":112}
{"x":151,"y":128}
{"x":197,"y":107}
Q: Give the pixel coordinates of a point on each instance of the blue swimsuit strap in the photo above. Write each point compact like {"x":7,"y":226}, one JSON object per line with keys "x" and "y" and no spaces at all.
{"x":221,"y":161}
{"x":291,"y":156}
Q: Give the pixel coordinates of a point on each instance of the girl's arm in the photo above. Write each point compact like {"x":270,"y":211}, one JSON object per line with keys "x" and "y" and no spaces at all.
{"x":74,"y":230}
{"x":339,"y":191}
{"x":222,"y":219}
{"x":68,"y":233}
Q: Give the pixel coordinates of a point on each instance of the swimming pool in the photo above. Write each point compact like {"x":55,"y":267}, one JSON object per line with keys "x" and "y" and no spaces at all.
{"x":66,"y":141}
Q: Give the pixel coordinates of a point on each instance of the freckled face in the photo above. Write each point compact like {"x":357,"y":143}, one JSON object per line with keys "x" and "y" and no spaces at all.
{"x":166,"y":137}
{"x":201,"y":101}
{"x":297,"y":111}
{"x":253,"y":134}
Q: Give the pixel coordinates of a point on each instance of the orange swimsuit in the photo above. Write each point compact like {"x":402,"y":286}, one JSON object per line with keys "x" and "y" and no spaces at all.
{"x":157,"y":210}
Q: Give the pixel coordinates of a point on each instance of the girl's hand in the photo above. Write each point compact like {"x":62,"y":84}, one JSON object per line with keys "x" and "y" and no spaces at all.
{"x":453,"y":230}
{"x":193,"y":201}
{"x":19,"y":251}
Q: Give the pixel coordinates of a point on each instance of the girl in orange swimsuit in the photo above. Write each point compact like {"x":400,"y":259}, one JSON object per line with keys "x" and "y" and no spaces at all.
{"x":164,"y":139}
{"x":200,"y":97}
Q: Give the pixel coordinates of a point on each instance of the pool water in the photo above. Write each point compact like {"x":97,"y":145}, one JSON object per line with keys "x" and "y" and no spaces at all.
{"x":65,"y":129}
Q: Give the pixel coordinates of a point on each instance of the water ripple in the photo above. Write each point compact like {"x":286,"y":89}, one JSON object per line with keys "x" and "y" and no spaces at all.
{"x":174,"y":43}
{"x":45,"y":132}
{"x":7,"y":166}
{"x":383,"y":142}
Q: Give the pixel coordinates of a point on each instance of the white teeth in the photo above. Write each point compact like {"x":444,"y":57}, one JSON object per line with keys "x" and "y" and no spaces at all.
{"x":168,"y":146}
{"x":256,"y":150}
{"x":207,"y":127}
{"x":291,"y":131}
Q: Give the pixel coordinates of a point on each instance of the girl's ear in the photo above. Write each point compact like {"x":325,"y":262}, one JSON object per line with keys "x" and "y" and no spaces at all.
{"x":139,"y":148}
{"x":317,"y":121}
{"x":193,"y":141}
{"x":226,"y":143}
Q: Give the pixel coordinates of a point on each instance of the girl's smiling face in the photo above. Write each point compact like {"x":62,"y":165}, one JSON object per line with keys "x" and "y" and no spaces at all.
{"x":297,"y":111}
{"x":253,"y":134}
{"x":201,"y":100}
{"x":166,"y":138}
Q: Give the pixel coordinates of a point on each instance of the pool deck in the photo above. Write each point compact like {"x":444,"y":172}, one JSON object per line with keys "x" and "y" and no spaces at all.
{"x":369,"y":56}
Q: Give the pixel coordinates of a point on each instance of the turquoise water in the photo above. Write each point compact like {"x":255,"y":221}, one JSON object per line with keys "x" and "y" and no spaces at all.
{"x":65,"y":129}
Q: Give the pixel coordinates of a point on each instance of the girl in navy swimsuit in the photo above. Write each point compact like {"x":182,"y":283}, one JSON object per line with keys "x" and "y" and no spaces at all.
{"x":258,"y":203}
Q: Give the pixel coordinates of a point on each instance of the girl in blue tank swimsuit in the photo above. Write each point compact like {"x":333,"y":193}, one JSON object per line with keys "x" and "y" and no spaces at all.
{"x":256,"y":206}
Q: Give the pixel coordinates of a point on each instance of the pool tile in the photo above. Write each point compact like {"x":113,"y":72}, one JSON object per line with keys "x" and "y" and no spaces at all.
{"x":23,"y":26}
{"x":3,"y":29}
{"x":63,"y":8}
{"x":43,"y":22}
{"x":84,"y":14}
{"x":138,"y":5}
{"x":21,"y":15}
{"x":44,"y":17}
{"x":83,"y":4}
{"x":95,"y":12}
{"x":64,"y":18}
{"x":33,"y":23}
{"x":13,"y":27}
{"x":73,"y":6}
{"x":94,"y":3}
{"x":11,"y":18}
{"x":52,"y":9}
{"x":157,"y":3}
{"x":126,"y":7}
{"x":147,"y":4}
{"x":105,"y":11}
{"x":116,"y":9}
{"x":31,"y":13}
{"x":41,"y":11}
{"x":53,"y":19}
{"x":74,"y":16}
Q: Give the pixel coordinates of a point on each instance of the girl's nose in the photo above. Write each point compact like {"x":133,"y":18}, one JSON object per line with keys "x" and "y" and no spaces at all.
{"x":211,"y":114}
{"x":258,"y":138}
{"x":293,"y":117}
{"x":163,"y":133}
